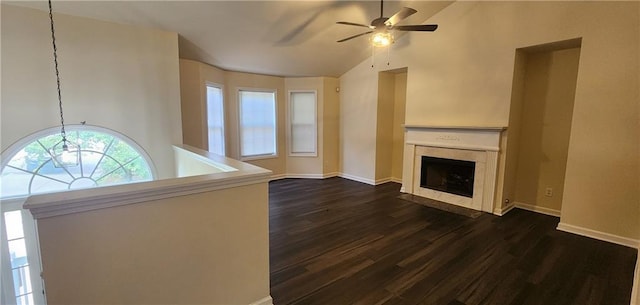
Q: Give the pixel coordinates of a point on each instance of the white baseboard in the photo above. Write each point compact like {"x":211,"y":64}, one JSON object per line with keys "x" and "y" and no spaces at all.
{"x":330,"y":175}
{"x":305,"y":176}
{"x":382,"y":181}
{"x":537,"y":209}
{"x":335,"y":174}
{"x":388,"y":179}
{"x":625,"y":241}
{"x":264,"y":301}
{"x":503,"y":210}
{"x":356,"y":178}
{"x":278,"y":177}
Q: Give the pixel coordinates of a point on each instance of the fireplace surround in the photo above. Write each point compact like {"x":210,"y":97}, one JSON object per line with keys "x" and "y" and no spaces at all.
{"x":475,"y":147}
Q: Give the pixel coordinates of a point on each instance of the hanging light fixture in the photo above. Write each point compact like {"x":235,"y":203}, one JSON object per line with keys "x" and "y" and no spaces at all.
{"x":64,"y":153}
{"x":382,"y":38}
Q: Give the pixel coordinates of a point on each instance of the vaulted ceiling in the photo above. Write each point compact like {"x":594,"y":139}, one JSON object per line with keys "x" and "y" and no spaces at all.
{"x":283,"y":38}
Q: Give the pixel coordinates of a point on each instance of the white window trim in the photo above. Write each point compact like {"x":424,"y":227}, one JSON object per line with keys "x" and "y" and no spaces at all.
{"x":289,"y":137}
{"x":224,"y":115}
{"x":239,"y":129}
{"x":18,"y":145}
{"x":30,"y":230}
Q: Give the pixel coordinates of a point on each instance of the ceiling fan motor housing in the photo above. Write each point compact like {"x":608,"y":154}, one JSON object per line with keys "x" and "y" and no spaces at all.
{"x":380,"y":23}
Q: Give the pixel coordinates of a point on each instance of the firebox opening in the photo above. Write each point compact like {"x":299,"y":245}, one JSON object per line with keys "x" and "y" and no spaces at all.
{"x":446,"y":175}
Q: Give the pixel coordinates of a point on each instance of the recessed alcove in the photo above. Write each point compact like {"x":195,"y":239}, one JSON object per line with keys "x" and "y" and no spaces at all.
{"x":544,"y":85}
{"x":392,"y":91}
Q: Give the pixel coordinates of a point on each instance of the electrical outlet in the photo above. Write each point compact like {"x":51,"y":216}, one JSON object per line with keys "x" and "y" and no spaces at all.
{"x":548,"y":192}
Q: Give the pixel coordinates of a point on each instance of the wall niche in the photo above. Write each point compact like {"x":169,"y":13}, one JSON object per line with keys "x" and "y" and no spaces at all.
{"x":544,"y":86}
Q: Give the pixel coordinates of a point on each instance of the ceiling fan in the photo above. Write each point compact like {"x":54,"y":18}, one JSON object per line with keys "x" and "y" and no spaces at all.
{"x":382,"y":26}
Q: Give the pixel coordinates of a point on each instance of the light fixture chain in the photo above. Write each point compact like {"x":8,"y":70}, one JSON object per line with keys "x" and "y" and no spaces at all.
{"x":55,"y":60}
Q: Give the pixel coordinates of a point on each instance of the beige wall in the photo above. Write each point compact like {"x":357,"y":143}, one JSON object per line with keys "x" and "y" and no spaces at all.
{"x":510,"y":138}
{"x":204,"y":248}
{"x":358,"y":115}
{"x":384,"y":125}
{"x":115,"y":76}
{"x":549,"y":89}
{"x":331,"y":127}
{"x":385,"y":112}
{"x":400,"y":101}
{"x":195,"y":76}
{"x":194,"y":106}
{"x":460,"y":75}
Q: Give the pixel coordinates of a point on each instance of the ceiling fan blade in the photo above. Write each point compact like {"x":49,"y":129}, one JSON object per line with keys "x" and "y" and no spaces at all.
{"x":354,"y":36}
{"x":402,"y":14}
{"x":356,"y":24}
{"x":420,"y":27}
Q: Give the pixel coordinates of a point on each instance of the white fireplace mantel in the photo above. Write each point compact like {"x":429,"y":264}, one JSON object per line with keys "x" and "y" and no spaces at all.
{"x":479,"y":144}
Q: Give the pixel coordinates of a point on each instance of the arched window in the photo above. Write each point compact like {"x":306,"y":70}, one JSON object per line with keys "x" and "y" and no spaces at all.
{"x":96,"y":157}
{"x":102,"y":157}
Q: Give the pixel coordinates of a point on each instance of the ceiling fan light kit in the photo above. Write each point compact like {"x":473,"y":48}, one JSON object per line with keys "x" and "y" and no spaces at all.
{"x":381,"y":27}
{"x":381,"y":39}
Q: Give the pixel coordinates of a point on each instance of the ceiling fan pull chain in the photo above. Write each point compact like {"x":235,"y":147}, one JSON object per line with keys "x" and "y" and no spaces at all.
{"x":373,"y":56}
{"x":388,"y":52}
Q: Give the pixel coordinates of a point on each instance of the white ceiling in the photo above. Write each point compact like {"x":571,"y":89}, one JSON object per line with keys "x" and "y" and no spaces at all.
{"x":283,"y":38}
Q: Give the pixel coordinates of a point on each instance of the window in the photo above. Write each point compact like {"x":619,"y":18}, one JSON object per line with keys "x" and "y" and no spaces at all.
{"x":103,"y":159}
{"x":302,"y":123}
{"x":22,"y":270}
{"x":29,"y":167}
{"x":215,"y":120}
{"x":257,"y":124}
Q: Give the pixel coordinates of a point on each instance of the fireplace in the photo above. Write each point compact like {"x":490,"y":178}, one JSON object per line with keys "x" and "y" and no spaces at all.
{"x":446,"y":175}
{"x":455,"y":165}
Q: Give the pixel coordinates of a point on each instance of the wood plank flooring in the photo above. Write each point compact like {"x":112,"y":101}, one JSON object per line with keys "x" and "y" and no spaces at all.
{"x":337,"y":241}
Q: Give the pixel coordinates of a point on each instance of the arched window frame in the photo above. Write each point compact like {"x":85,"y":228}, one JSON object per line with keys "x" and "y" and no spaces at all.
{"x":11,"y":151}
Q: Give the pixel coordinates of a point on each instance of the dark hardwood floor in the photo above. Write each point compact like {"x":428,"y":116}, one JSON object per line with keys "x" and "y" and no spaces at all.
{"x":336,"y":241}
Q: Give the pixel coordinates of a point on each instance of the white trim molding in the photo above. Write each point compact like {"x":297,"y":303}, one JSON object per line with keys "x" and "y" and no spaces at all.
{"x":305,"y":176}
{"x":501,"y":211}
{"x":358,"y":179}
{"x":383,"y":180}
{"x":538,"y":209}
{"x":264,"y":301}
{"x":330,"y":175}
{"x":308,"y":176}
{"x":624,"y":241}
{"x":278,"y":177}
{"x":83,"y":200}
